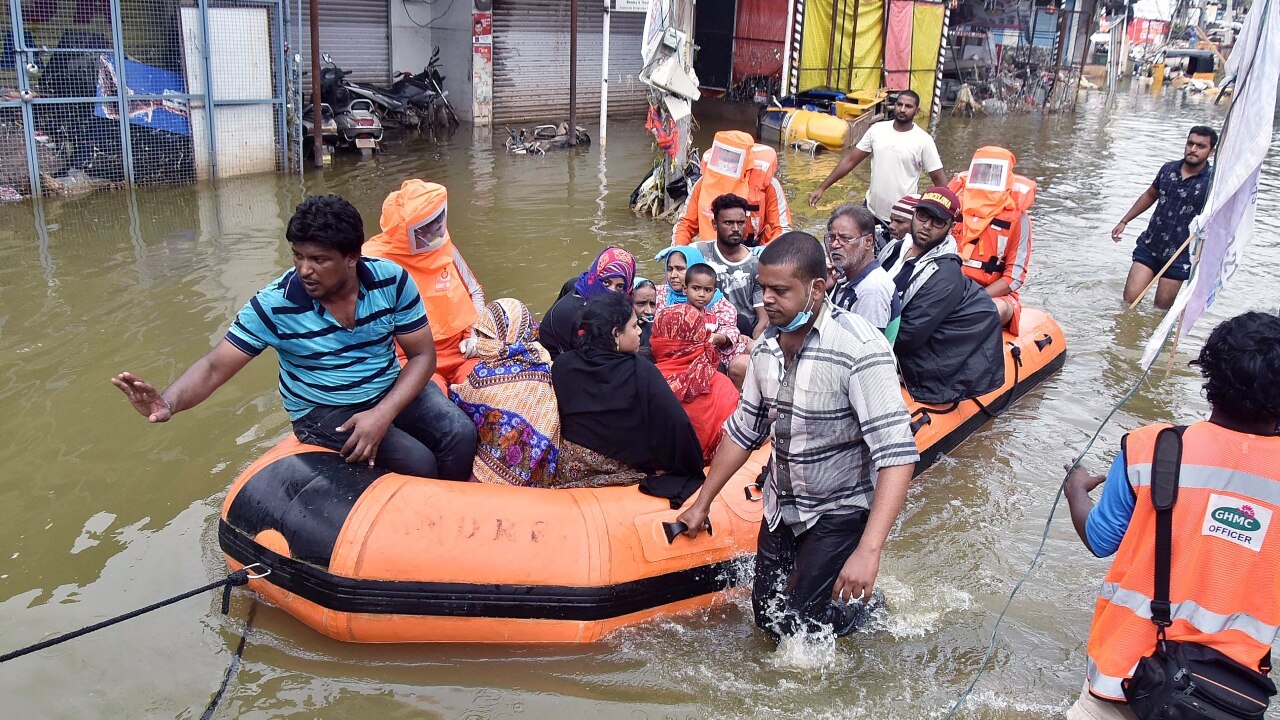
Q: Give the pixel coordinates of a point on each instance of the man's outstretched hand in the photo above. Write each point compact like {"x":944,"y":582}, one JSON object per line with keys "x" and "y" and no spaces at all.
{"x":143,"y":397}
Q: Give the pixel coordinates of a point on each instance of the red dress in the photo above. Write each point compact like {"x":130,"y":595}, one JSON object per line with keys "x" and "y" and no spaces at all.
{"x":686,"y":358}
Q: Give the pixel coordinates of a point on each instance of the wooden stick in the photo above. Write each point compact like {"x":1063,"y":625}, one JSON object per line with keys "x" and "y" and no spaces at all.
{"x":1177,"y":335}
{"x":1156,"y":279}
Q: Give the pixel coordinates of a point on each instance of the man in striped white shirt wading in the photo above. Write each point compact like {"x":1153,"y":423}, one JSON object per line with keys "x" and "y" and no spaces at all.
{"x":822,"y":385}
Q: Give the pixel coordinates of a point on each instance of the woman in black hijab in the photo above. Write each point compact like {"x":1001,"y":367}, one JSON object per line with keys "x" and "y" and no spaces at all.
{"x":620,"y":424}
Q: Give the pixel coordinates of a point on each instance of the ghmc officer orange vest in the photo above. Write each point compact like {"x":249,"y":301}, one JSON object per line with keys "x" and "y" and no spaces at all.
{"x":1224,"y":588}
{"x":994,"y":235}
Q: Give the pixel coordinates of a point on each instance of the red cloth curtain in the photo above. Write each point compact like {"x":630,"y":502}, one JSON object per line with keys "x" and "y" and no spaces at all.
{"x":758,"y":38}
{"x":897,"y":45}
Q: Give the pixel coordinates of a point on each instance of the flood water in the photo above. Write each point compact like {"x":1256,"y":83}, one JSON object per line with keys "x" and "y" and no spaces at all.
{"x":101,"y":513}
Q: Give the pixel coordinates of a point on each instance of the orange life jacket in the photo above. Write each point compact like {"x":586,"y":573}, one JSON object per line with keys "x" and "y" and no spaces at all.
{"x":443,"y":278}
{"x":1224,"y":587}
{"x":994,"y":234}
{"x":736,"y":164}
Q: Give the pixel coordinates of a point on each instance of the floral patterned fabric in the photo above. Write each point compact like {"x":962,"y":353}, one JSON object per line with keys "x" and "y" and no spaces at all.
{"x":1181,"y":199}
{"x":688,"y":363}
{"x":721,"y":312}
{"x":581,"y":467}
{"x":510,"y":399}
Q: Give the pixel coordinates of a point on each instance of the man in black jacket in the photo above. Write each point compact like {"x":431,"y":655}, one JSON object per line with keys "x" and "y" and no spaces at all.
{"x":949,"y":344}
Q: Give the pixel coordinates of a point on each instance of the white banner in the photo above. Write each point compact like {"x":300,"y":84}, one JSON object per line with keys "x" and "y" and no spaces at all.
{"x":1227,"y":221}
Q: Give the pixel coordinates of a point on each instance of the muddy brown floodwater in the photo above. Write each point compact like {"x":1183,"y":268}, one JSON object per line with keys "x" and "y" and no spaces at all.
{"x":100,"y":513}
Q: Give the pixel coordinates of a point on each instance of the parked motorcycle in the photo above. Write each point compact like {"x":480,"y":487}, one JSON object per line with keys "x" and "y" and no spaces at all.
{"x":384,"y":104}
{"x":429,"y":84}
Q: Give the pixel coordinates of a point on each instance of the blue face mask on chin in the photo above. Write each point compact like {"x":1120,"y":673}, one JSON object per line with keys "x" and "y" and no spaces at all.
{"x":800,"y":319}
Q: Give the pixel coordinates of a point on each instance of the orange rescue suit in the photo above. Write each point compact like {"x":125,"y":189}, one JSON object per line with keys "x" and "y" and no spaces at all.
{"x":736,"y":164}
{"x":415,"y":235}
{"x":1224,"y":586}
{"x":994,"y":235}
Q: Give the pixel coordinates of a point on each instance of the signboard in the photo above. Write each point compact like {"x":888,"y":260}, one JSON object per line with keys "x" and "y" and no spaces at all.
{"x":481,"y":28}
{"x":629,"y":5}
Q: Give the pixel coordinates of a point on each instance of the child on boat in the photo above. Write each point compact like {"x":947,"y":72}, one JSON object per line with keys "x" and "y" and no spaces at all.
{"x":700,"y":286}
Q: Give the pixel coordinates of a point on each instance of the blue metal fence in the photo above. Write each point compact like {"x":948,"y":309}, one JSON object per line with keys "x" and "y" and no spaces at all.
{"x":100,"y":93}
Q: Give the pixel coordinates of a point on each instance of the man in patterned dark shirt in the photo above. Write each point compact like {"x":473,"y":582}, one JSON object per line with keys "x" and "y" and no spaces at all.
{"x":1180,"y":189}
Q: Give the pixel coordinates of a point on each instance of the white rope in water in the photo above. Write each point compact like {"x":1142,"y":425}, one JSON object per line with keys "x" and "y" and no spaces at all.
{"x":1044,"y":539}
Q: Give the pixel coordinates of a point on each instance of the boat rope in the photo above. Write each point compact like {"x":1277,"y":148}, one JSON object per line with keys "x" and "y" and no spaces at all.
{"x":239,"y":577}
{"x":1016,"y":353}
{"x":234,"y":665}
{"x":1044,"y":539}
{"x":924,"y":412}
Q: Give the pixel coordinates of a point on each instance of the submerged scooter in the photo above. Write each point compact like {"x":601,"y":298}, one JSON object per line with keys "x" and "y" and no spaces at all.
{"x":356,"y":122}
{"x":328,"y":127}
{"x":358,"y":126}
{"x":543,"y":138}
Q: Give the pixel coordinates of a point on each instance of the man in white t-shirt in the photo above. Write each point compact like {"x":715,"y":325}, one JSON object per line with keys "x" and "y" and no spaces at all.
{"x":899,"y":150}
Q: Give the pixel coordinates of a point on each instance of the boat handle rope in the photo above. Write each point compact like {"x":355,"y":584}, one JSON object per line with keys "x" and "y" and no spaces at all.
{"x":1016,"y":352}
{"x":234,"y":579}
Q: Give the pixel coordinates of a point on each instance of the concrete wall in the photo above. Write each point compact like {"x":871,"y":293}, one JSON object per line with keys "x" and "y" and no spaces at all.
{"x":450,"y":28}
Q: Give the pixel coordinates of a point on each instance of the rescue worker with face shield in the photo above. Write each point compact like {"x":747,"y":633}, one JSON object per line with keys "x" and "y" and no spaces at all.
{"x":415,"y":235}
{"x":994,"y":234}
{"x":736,"y":165}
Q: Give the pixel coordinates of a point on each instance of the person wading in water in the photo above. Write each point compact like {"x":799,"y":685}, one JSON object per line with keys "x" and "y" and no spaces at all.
{"x":1179,"y":192}
{"x":899,"y":150}
{"x":843,"y":452}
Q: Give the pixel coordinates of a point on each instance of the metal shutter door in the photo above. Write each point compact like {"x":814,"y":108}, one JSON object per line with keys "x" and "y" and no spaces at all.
{"x":626,"y":93}
{"x":531,"y":59}
{"x":356,"y":34}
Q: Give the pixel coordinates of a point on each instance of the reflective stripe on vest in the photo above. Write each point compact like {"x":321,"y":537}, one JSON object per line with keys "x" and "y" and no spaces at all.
{"x":1206,"y":621}
{"x":1225,"y":587}
{"x":1106,"y":686}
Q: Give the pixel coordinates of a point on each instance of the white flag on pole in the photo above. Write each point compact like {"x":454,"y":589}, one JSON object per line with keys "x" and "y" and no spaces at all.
{"x":1227,"y":220}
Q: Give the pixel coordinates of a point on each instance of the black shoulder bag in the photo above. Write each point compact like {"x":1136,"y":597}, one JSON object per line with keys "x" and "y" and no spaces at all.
{"x":1184,"y":680}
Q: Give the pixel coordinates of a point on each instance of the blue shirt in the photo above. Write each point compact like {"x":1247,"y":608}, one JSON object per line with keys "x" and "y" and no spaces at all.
{"x":1181,"y":199}
{"x":1110,"y":517}
{"x":323,"y":363}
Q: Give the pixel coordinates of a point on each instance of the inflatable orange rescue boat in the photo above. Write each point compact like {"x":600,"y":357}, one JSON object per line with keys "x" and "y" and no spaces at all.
{"x":363,"y":555}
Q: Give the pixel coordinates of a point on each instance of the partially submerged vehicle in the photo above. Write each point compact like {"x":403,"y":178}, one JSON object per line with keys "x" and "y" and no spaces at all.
{"x":543,"y":138}
{"x":1192,"y":63}
{"x":821,"y":117}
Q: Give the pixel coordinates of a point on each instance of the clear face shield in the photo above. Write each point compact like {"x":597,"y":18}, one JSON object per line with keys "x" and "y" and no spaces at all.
{"x":989,"y":174}
{"x":429,"y":234}
{"x":727,"y":160}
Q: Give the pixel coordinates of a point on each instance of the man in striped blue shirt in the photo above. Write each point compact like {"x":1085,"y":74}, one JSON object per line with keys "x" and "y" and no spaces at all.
{"x":334,"y":320}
